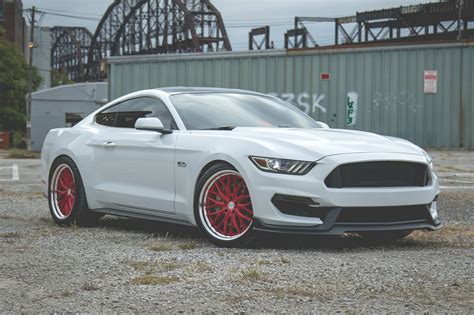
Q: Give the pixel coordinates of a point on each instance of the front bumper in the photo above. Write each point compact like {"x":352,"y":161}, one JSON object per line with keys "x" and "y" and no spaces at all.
{"x":331,"y":227}
{"x":263,"y":187}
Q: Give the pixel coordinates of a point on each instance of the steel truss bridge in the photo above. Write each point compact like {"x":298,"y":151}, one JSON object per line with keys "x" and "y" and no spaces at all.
{"x":139,"y":27}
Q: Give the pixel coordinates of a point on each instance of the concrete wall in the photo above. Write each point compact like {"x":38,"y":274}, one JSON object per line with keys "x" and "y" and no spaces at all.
{"x":49,"y":107}
{"x":388,"y":81}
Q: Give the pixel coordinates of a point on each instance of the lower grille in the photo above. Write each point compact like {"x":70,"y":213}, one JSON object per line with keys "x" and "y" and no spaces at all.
{"x":383,"y":214}
{"x":299,"y":206}
{"x":378,"y":174}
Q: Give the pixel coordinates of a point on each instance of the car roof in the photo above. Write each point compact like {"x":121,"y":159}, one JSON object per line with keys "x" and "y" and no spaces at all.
{"x":186,"y":90}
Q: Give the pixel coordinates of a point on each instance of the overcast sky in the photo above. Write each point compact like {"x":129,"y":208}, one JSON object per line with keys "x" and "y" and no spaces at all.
{"x":235,"y":14}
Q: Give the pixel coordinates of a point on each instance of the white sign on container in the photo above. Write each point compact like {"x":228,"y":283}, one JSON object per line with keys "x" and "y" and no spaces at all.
{"x":351,"y":108}
{"x":431,"y":81}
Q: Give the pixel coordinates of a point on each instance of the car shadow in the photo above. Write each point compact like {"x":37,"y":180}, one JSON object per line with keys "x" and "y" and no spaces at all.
{"x":263,"y":240}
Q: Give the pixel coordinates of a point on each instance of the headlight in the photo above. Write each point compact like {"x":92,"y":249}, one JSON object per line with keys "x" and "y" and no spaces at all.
{"x":283,"y":166}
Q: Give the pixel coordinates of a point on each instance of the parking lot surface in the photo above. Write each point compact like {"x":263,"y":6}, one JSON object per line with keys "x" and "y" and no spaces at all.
{"x":130,"y":265}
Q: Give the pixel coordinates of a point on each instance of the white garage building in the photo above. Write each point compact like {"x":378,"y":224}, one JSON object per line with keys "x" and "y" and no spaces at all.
{"x":63,"y":106}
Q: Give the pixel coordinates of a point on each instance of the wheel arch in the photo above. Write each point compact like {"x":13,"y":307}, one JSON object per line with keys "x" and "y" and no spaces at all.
{"x":74,"y":160}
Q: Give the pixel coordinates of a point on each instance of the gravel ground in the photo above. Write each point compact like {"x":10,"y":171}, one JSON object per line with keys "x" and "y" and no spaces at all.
{"x":128,"y":265}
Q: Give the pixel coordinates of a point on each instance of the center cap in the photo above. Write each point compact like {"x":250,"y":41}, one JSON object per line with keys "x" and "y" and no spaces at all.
{"x":231,"y":205}
{"x":69,"y":191}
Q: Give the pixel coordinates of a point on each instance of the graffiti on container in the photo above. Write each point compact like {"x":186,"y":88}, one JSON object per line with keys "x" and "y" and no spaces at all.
{"x":310,"y":104}
{"x":396,"y":101}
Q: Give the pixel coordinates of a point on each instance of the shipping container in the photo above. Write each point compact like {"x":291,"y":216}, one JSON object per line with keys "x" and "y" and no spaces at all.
{"x":423,"y":93}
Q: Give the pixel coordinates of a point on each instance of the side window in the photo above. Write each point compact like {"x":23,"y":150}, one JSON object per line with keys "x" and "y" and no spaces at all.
{"x":124,"y":115}
{"x":107,"y":117}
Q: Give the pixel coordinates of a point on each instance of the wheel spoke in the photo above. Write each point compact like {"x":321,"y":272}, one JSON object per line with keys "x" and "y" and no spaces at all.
{"x":218,"y":191}
{"x":234,"y":222}
{"x":224,"y":223}
{"x":246,"y":209}
{"x":219,"y":203}
{"x":217,"y":212}
{"x":237,"y":190}
{"x":242,"y":215}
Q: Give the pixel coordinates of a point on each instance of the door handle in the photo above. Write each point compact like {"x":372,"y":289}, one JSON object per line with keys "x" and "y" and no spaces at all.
{"x":108,"y":144}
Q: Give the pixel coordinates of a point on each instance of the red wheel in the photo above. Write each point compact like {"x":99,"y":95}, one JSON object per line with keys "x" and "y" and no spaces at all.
{"x":225,"y":207}
{"x":66,"y":195}
{"x":63,"y":190}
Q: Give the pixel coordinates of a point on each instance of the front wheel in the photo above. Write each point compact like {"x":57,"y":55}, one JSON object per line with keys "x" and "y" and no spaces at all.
{"x":66,"y":195}
{"x":223,"y":207}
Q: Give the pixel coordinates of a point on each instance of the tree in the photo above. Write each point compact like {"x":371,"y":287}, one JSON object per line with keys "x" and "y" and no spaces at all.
{"x":14,"y":86}
{"x":60,"y":77}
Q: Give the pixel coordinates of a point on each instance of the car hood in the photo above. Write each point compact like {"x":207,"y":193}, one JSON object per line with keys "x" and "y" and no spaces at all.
{"x":318,"y":143}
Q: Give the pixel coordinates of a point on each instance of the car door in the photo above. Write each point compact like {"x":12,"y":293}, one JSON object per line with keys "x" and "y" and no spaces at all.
{"x":135,"y":168}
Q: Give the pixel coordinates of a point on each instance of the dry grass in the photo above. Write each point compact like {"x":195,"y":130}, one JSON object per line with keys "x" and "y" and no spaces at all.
{"x":66,"y":293}
{"x":89,"y":286}
{"x":319,"y":292}
{"x":450,"y":168}
{"x":239,"y":298}
{"x":22,"y":154}
{"x":253,"y":275}
{"x":284,"y":261}
{"x":154,"y":280}
{"x":265,"y":262}
{"x":161,"y":247}
{"x":198,"y":267}
{"x":459,"y":196}
{"x":15,"y":235}
{"x":188,"y":245}
{"x":458,"y":235}
{"x":151,"y":266}
{"x":461,"y":292}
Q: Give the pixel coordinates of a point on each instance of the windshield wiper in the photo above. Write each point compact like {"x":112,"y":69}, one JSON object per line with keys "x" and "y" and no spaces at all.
{"x":221,"y":128}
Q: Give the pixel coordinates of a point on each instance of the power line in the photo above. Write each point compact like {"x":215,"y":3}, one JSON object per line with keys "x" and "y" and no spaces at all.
{"x":66,"y":15}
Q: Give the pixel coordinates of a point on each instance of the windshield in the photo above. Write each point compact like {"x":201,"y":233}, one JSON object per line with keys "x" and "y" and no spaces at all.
{"x":200,"y":111}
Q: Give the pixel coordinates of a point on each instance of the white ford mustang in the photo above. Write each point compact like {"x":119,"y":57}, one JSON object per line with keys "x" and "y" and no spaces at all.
{"x":233,"y":162}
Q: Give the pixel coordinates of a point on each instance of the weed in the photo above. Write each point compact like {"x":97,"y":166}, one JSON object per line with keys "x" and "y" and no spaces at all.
{"x":253,"y":274}
{"x":198,"y":267}
{"x":89,"y":286}
{"x":153,"y":280}
{"x":161,"y":247}
{"x":10,"y":235}
{"x":22,"y":154}
{"x":188,"y":245}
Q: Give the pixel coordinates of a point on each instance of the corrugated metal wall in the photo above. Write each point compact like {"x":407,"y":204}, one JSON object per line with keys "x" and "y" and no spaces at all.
{"x":389,"y":82}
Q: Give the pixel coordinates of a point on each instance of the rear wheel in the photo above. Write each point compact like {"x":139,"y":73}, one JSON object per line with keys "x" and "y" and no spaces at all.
{"x":385,"y":236}
{"x":223,"y":207}
{"x":66,"y":195}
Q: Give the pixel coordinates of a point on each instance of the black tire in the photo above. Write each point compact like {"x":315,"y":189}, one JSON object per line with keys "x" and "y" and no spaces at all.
{"x":80,"y":213}
{"x":205,"y":227}
{"x":385,"y":236}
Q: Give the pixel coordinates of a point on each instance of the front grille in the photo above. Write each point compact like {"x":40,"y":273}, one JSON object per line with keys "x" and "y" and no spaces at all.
{"x":371,"y":215}
{"x":378,"y":174}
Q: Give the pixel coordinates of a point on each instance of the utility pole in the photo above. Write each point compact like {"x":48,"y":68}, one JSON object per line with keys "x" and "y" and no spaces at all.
{"x":31,"y":45}
{"x":460,"y":8}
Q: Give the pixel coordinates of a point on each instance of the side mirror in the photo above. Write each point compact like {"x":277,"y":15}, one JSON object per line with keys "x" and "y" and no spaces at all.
{"x":151,"y":124}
